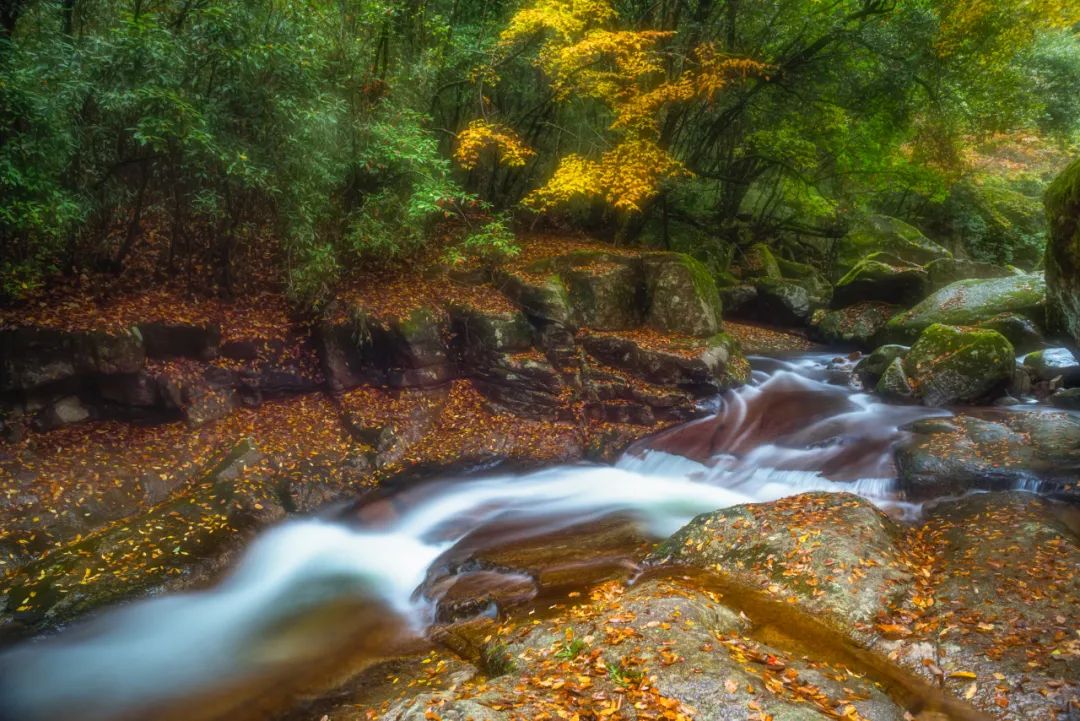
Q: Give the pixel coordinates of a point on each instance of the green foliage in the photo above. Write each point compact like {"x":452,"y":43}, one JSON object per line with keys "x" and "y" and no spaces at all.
{"x":571,"y":649}
{"x":495,"y":660}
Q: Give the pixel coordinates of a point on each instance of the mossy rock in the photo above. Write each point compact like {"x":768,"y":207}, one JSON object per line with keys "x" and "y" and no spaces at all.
{"x":873,"y":366}
{"x":950,"y":364}
{"x":607,"y":295}
{"x":544,"y":298}
{"x":1022,"y":332}
{"x":782,"y":302}
{"x":970,"y":302}
{"x":759,"y":262}
{"x":894,"y":384}
{"x":884,"y":277}
{"x":855,"y":325}
{"x":1051,"y":363}
{"x":1063,"y":253}
{"x":808,"y":277}
{"x":482,"y":333}
{"x":682,"y":296}
{"x":880,"y":233}
{"x":946,"y":271}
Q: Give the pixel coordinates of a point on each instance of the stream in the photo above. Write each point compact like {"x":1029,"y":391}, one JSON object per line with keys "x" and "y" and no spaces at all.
{"x":374,"y":579}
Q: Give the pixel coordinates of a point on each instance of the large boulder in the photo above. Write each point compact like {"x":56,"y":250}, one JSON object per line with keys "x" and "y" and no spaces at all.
{"x":774,"y":302}
{"x":946,"y":271}
{"x":971,"y":302}
{"x":1063,"y":252}
{"x":880,"y":233}
{"x":832,"y":555}
{"x":542,"y":296}
{"x":1020,"y":449}
{"x":682,"y":296}
{"x":882,"y":277}
{"x":856,"y":325}
{"x":1053,"y":363}
{"x":606,"y":291}
{"x":950,"y":364}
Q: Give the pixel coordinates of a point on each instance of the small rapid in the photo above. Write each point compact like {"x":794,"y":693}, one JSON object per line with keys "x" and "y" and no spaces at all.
{"x":311,"y":585}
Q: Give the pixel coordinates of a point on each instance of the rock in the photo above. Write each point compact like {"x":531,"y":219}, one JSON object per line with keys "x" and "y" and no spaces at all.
{"x":800,"y":549}
{"x":894,"y":384}
{"x":1022,"y":332}
{"x":1063,"y":253}
{"x":61,"y":412}
{"x":171,"y":340}
{"x":703,"y":368}
{"x":777,"y":302}
{"x":882,"y":277}
{"x":1068,"y":399}
{"x":543,"y":297}
{"x":736,"y":299}
{"x":526,"y":385}
{"x":1011,"y":656}
{"x":480,"y":333}
{"x":178,"y":534}
{"x":1017,"y":449}
{"x":870,"y":368}
{"x":759,"y":262}
{"x":969,"y":302}
{"x":949,"y":364}
{"x":398,"y":352}
{"x":607,"y":292}
{"x":1046,"y":365}
{"x":855,"y":325}
{"x":880,"y":233}
{"x":946,"y":271}
{"x":33,"y":357}
{"x":682,"y":297}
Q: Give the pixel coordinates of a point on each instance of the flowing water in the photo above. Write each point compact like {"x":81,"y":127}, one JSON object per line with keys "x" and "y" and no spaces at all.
{"x":373,"y":580}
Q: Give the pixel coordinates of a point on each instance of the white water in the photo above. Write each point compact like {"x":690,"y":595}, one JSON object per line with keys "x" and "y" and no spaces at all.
{"x":186,"y":645}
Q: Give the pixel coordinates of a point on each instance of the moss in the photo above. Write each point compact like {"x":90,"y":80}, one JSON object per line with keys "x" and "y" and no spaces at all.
{"x":968,"y":302}
{"x":880,"y":233}
{"x":759,"y":262}
{"x":950,"y":364}
{"x":1063,"y":252}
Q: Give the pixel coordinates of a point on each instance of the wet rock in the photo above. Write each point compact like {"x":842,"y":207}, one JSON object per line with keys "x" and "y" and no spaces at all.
{"x":171,"y":340}
{"x":736,"y":298}
{"x":681,"y":294}
{"x":949,"y":364}
{"x":970,"y":302}
{"x":1051,"y":363}
{"x":527,"y":385}
{"x":856,"y":325}
{"x":703,"y":368}
{"x":1022,"y":332}
{"x":61,"y":412}
{"x":894,"y":384}
{"x":880,"y":233}
{"x":33,"y":357}
{"x":151,"y":549}
{"x":1068,"y":399}
{"x":946,"y":271}
{"x":1063,"y":252}
{"x":881,"y":277}
{"x":1021,"y":449}
{"x":819,"y":288}
{"x":870,"y":368}
{"x":801,"y":549}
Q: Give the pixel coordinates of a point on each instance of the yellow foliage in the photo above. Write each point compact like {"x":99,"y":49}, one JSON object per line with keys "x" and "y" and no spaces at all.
{"x":481,"y":135}
{"x":626,"y":177}
{"x":1007,"y":24}
{"x":626,"y":71}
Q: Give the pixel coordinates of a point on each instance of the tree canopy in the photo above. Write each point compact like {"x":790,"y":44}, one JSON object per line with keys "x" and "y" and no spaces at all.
{"x":230,"y":140}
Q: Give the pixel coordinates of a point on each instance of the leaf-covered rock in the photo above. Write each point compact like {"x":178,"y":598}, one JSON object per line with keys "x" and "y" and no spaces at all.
{"x":856,"y":325}
{"x":881,"y":277}
{"x":880,"y":233}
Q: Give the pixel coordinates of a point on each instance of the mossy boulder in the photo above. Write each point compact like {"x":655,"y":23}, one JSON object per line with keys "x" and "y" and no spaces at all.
{"x":776,"y":302}
{"x":541,"y":296}
{"x":682,"y":296}
{"x":880,"y":233}
{"x":946,"y":271}
{"x":702,"y":367}
{"x":950,"y":364}
{"x":884,"y":277}
{"x":1063,"y":253}
{"x":481,"y":333}
{"x":819,"y":288}
{"x":970,"y":302}
{"x":855,"y":325}
{"x":759,"y":262}
{"x":32,"y":357}
{"x":1052,"y":363}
